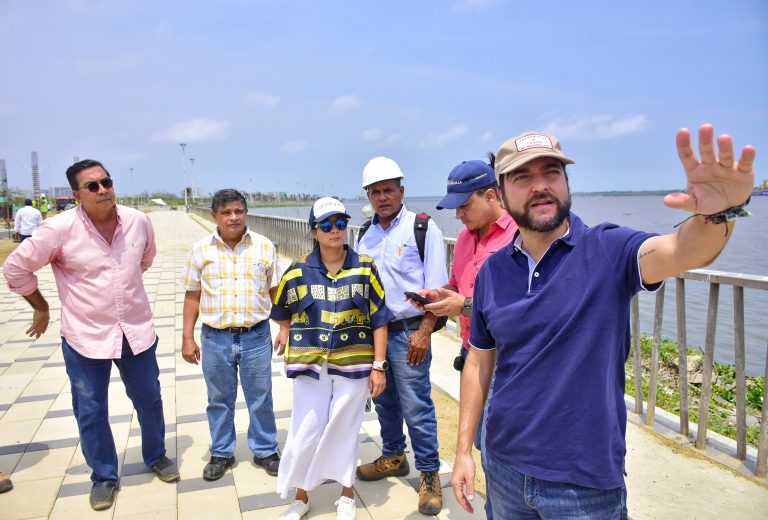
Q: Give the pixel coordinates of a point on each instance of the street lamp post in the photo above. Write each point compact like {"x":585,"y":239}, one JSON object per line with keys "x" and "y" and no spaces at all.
{"x":184,"y":167}
{"x":192,"y":162}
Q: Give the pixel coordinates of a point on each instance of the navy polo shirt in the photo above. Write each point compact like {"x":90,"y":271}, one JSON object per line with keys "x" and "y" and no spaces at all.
{"x":557,"y":412}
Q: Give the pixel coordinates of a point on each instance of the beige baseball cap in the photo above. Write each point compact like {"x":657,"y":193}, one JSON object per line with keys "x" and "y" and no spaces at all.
{"x":526,"y":147}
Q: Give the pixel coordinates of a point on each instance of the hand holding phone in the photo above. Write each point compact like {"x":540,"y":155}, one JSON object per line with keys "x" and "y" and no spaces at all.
{"x":417,"y":297}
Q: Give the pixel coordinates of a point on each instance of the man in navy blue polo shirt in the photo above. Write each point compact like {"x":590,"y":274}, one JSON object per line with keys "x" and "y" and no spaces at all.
{"x":551,"y":312}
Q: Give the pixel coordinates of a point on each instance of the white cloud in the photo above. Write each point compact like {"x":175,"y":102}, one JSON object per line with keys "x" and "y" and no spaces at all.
{"x":372,"y":134}
{"x":259,"y":99}
{"x":486,"y":136}
{"x":344,"y":103}
{"x":440,"y":139}
{"x":472,"y":5}
{"x":294,"y":146}
{"x":597,"y":127}
{"x":195,"y":130}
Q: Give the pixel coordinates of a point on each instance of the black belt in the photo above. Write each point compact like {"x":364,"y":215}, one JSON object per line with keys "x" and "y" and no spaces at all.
{"x":405,"y":324}
{"x":239,"y":330}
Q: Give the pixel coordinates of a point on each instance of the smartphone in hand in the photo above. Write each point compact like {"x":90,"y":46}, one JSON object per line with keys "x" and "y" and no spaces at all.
{"x":417,"y":297}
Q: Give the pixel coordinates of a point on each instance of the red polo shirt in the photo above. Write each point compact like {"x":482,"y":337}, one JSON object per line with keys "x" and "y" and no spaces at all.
{"x":470,"y":253}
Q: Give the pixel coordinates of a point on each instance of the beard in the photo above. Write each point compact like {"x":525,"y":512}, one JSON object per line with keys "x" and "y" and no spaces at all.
{"x":524,"y":220}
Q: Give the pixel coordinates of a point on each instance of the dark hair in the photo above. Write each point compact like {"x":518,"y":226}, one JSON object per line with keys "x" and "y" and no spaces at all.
{"x":492,"y":159}
{"x":76,"y":168}
{"x":225,"y":196}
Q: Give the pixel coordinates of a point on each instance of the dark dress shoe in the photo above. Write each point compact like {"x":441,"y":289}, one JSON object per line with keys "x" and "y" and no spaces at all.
{"x":270,"y":463}
{"x":216,"y":467}
{"x":103,"y":494}
{"x":165,"y":469}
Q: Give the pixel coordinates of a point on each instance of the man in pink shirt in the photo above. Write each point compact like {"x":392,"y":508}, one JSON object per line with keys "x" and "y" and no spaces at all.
{"x":98,"y":252}
{"x":473,"y":194}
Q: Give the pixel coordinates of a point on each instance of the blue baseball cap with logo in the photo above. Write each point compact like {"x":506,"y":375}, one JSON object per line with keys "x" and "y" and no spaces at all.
{"x":463,"y":180}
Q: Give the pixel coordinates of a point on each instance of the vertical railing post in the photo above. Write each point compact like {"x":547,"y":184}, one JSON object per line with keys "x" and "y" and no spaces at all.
{"x":709,"y":353}
{"x":762,"y":445}
{"x":682,"y":349}
{"x":658,"y":316}
{"x":740,"y":362}
{"x":636,"y":354}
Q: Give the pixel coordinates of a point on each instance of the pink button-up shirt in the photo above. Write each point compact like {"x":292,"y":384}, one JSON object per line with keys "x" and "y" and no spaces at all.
{"x":469,"y":253}
{"x":100,"y":285}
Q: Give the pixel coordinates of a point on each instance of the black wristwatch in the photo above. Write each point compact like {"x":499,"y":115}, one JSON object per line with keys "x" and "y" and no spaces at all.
{"x":381,"y":366}
{"x":466,"y":309}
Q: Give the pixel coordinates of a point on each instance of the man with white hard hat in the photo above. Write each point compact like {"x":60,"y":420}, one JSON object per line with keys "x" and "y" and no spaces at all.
{"x":392,"y":242}
{"x":551,"y":313}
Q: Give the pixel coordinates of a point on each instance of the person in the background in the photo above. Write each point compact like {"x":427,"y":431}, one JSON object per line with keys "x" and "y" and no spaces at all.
{"x":26,"y":221}
{"x":44,"y":205}
{"x":551,"y":313}
{"x":473,"y":194}
{"x":98,"y":253}
{"x":333,"y":321}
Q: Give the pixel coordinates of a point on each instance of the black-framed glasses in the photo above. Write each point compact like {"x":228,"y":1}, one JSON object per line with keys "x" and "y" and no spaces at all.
{"x":326,"y":225}
{"x":93,"y":186}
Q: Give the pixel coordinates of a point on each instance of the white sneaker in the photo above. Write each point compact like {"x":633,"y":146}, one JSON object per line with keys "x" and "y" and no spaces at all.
{"x":296,"y":511}
{"x":345,"y":508}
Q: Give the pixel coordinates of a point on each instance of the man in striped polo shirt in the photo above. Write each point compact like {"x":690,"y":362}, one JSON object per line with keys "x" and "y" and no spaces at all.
{"x":230,"y":278}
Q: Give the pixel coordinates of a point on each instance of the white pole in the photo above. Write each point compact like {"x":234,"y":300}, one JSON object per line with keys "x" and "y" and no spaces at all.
{"x":184,"y":167}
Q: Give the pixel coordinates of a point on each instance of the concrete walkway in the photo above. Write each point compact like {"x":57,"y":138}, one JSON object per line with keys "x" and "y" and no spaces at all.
{"x":39,"y":440}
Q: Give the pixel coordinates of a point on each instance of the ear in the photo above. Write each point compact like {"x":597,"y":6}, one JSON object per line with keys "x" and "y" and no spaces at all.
{"x":213,"y":215}
{"x":76,"y":195}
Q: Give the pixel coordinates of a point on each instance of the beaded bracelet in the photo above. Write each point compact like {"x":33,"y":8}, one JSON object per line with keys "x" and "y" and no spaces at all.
{"x":721,"y":217}
{"x":733,"y":213}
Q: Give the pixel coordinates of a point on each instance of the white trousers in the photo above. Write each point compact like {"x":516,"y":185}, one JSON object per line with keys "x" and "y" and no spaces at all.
{"x":322,"y":440}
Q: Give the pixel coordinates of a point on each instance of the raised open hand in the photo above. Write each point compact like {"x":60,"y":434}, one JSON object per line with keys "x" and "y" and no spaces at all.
{"x":714,"y":183}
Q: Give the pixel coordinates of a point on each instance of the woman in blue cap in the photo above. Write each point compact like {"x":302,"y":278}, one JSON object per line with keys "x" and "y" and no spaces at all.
{"x":333,"y":322}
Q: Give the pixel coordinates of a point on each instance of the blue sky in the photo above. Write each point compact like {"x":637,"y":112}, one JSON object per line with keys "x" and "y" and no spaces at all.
{"x":298,"y":95}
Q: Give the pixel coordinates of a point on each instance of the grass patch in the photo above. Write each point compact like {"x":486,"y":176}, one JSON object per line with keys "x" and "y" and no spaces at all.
{"x":722,"y":403}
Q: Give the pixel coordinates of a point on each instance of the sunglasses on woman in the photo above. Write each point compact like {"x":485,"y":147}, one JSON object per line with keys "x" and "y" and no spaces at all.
{"x":93,"y":186}
{"x":326,"y":225}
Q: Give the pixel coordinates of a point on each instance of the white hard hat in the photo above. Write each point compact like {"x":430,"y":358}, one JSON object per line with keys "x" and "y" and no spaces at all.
{"x":381,"y":169}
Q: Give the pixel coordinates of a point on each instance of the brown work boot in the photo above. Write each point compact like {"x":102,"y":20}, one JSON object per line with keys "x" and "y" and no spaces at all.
{"x":430,"y":493}
{"x":383,"y":467}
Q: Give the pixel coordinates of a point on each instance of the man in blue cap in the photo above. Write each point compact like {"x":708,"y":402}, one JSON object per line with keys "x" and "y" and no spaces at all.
{"x":472,"y":193}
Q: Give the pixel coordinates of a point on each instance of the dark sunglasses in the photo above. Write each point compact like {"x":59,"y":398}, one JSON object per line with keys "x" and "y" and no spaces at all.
{"x":93,"y":186}
{"x":326,"y":225}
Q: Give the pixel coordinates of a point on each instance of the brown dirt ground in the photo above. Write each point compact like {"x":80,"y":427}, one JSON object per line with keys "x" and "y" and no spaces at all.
{"x":6,"y":248}
{"x":447,"y":410}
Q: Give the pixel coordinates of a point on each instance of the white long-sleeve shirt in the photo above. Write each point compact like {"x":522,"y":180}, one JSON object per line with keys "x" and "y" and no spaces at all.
{"x":26,"y":221}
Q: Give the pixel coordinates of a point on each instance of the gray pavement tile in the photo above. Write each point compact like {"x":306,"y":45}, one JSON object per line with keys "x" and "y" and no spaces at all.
{"x":263,"y":501}
{"x":198,"y":484}
{"x":169,"y":428}
{"x":75,"y":489}
{"x":189,"y":377}
{"x":33,"y":398}
{"x":54,"y":364}
{"x":196,"y":417}
{"x":53,"y":444}
{"x":30,"y":359}
{"x":5,"y":406}
{"x":53,"y":414}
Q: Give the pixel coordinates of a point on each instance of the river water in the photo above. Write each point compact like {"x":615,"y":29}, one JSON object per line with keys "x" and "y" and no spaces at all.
{"x":747,"y":252}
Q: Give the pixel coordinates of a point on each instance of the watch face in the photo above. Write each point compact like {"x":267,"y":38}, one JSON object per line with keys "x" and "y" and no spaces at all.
{"x":385,"y":365}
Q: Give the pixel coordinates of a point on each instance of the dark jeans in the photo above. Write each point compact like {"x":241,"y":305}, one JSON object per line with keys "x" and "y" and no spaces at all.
{"x":89,"y":379}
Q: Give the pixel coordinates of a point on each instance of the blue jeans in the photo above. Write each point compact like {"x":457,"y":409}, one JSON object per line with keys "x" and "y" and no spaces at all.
{"x":89,"y":379}
{"x":516,"y":495}
{"x":408,"y":395}
{"x":223,"y":354}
